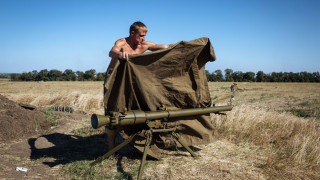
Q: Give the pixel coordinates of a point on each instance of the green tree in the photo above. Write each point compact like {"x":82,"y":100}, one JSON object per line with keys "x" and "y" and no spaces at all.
{"x":228,"y":73}
{"x":260,"y":77}
{"x":34,"y":75}
{"x":209,"y":76}
{"x":100,"y":77}
{"x":26,"y":76}
{"x":316,"y":76}
{"x":15,"y":77}
{"x":69,"y":75}
{"x":90,"y":75}
{"x":42,"y":75}
{"x":219,"y":75}
{"x":80,"y":76}
{"x":55,"y":75}
{"x":286,"y":77}
{"x":237,"y":76}
{"x":249,"y":76}
{"x":276,"y":77}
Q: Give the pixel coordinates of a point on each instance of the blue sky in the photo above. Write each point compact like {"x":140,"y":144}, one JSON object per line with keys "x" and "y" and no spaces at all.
{"x":247,"y":35}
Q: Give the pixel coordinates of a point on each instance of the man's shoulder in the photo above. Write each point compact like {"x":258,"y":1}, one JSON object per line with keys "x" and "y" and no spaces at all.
{"x":121,"y":41}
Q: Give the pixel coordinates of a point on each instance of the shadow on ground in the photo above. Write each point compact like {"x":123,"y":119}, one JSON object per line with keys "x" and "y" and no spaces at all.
{"x":67,"y":148}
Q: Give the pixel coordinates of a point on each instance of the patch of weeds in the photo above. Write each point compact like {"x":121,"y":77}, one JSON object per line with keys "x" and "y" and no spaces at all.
{"x":305,"y":104}
{"x":81,"y":170}
{"x":50,"y":108}
{"x":45,"y":132}
{"x":300,"y":112}
{"x":134,"y":169}
{"x":50,"y":117}
{"x":224,"y":88}
{"x":91,"y":172}
{"x":110,"y":160}
{"x":120,"y":175}
{"x":85,"y":131}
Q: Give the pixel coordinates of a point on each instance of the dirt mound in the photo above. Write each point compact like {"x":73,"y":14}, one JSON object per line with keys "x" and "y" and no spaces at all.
{"x":17,"y":122}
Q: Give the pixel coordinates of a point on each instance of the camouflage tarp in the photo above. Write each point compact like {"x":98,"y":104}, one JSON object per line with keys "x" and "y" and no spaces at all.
{"x":174,"y":77}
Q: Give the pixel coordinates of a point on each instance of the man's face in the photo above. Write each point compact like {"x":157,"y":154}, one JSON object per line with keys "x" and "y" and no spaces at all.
{"x":139,"y":36}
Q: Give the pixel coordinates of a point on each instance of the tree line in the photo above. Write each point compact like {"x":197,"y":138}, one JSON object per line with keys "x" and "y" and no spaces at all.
{"x":216,"y":76}
{"x":260,"y":76}
{"x":56,"y":75}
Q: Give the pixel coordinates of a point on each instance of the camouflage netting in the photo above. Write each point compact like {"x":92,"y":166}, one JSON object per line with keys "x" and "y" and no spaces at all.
{"x":174,"y":77}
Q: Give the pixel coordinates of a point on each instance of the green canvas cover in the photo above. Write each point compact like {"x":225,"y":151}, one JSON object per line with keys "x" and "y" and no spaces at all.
{"x":174,"y":77}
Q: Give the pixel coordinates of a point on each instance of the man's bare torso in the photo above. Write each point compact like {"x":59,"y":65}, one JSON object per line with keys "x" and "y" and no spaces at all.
{"x":133,"y":49}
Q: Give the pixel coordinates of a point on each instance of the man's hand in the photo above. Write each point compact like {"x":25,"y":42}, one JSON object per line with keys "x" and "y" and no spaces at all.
{"x":124,"y":56}
{"x":117,"y":50}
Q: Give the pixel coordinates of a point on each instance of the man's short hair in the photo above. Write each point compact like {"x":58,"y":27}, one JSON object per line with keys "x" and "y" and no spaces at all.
{"x":138,"y":26}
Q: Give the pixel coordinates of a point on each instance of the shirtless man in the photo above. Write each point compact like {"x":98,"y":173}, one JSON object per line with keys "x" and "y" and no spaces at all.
{"x":134,"y":44}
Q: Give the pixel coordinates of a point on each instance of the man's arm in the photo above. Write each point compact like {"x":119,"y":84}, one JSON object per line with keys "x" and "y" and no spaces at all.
{"x":116,"y":51}
{"x":153,"y":47}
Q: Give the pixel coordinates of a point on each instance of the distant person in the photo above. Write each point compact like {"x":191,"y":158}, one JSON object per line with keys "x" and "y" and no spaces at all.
{"x":134,"y":44}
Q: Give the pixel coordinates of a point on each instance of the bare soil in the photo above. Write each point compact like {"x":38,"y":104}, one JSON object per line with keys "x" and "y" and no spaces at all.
{"x":23,"y":144}
{"x":17,"y":122}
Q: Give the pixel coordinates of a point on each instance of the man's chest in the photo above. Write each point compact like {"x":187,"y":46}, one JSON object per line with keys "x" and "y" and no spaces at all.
{"x":138,"y":50}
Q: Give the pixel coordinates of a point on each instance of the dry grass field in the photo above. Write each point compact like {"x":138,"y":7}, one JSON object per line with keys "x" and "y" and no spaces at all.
{"x":273,"y":132}
{"x":82,"y":96}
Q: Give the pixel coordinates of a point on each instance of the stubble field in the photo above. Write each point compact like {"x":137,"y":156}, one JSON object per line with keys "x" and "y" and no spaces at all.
{"x":271,"y":133}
